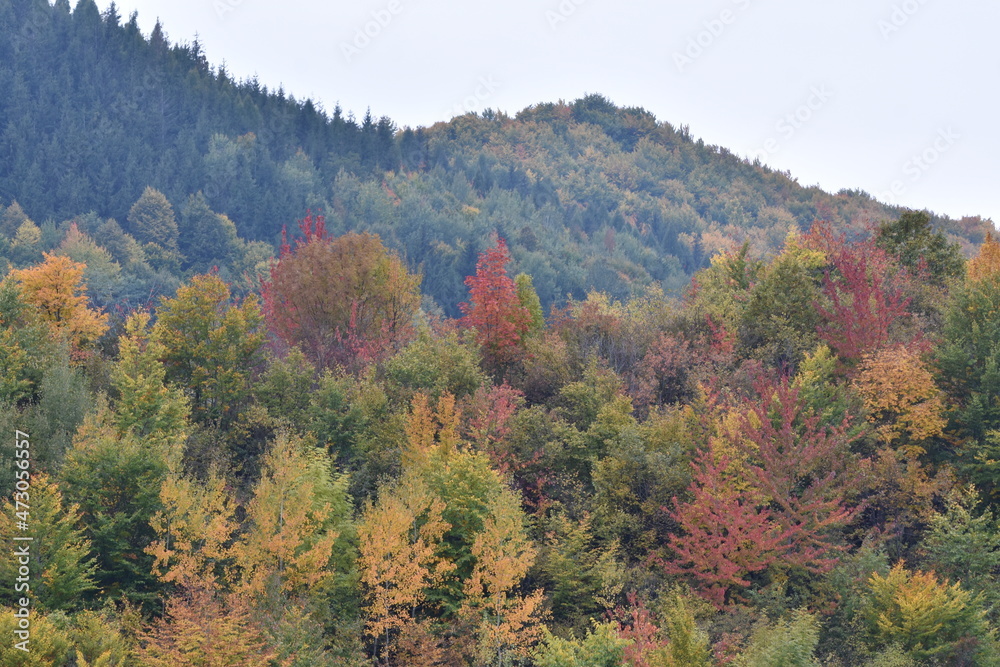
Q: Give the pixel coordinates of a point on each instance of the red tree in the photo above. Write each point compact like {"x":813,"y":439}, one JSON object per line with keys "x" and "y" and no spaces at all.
{"x":494,"y":310}
{"x":867,"y":300}
{"x":780,"y":501}
{"x":727,"y":536}
{"x":801,"y":466}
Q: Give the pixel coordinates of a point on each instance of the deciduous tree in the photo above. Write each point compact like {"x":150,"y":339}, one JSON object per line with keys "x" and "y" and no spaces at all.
{"x":211,"y":347}
{"x":344,"y":301}
{"x":494,"y":309}
{"x":56,"y":288}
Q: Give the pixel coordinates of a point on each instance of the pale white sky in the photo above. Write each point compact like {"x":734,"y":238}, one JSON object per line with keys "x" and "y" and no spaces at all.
{"x":896,"y":97}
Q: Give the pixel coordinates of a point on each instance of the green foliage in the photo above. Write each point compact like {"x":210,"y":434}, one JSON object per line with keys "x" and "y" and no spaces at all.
{"x":601,"y":647}
{"x":917,"y":244}
{"x":788,"y":642}
{"x":115,"y":480}
{"x":581,"y":402}
{"x":436,"y":365}
{"x":146,"y":408}
{"x":286,"y":386}
{"x":211,"y":347}
{"x":529,"y":300}
{"x":926,"y":617}
{"x":964,"y":546}
{"x":689,"y":645}
{"x":62,"y":574}
{"x":48,"y":645}
{"x":584,"y":576}
{"x":62,"y":405}
{"x":205,"y":238}
{"x":968,"y":359}
{"x":778,"y":323}
{"x":152,"y":222}
{"x":643,"y":467}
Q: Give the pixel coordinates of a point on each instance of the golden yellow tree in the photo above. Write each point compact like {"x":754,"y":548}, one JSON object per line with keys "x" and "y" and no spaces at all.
{"x":987,"y":262}
{"x":399,"y":537}
{"x":292,"y":523}
{"x":507,"y":623}
{"x":195,"y":531}
{"x":57,"y":289}
{"x":200,"y":629}
{"x":901,"y":399}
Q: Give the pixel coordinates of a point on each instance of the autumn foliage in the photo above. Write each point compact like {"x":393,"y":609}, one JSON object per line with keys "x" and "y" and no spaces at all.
{"x":494,"y":309}
{"x":56,"y":288}
{"x":344,"y":301}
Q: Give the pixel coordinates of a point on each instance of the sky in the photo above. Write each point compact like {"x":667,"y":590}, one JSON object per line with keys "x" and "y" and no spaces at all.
{"x":895,"y":97}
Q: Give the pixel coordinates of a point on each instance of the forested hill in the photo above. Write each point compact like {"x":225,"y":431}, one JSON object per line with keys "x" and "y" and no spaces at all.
{"x":589,"y":196}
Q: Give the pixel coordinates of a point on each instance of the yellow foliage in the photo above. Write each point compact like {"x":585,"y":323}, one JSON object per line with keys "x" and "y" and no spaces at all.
{"x":901,"y":398}
{"x":987,"y":262}
{"x":507,"y":624}
{"x":399,"y":537}
{"x":430,"y":430}
{"x":56,"y":288}
{"x":925,"y":616}
{"x":195,"y":529}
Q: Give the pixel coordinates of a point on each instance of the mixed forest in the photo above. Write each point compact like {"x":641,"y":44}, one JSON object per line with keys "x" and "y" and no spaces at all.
{"x":563,"y":389}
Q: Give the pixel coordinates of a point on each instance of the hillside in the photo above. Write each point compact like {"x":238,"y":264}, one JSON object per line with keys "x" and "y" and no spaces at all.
{"x":590,"y":196}
{"x":240,"y":432}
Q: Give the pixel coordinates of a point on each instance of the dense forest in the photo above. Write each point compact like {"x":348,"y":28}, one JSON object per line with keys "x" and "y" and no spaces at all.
{"x":588,"y":195}
{"x":564,"y":389}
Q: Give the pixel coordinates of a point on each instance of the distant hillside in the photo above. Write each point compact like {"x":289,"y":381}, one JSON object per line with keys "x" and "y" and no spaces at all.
{"x":590,"y":196}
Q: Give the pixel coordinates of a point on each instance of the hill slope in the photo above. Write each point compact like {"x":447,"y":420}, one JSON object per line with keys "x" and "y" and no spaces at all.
{"x":591,"y":196}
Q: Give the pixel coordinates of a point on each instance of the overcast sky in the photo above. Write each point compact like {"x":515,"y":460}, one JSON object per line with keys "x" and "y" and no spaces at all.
{"x":896,"y":97}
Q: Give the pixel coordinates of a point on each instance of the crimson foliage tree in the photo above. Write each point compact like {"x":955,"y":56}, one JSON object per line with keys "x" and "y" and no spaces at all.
{"x":344,"y":301}
{"x":771,"y":488}
{"x":494,"y":310}
{"x":727,"y":536}
{"x":866,"y":296}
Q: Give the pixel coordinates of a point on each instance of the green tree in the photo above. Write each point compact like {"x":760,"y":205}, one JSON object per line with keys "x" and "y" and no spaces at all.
{"x":788,"y":642}
{"x":919,"y":246}
{"x":927,"y":617}
{"x":115,"y":480}
{"x":211,"y":347}
{"x":529,"y":300}
{"x":206,"y":238}
{"x":151,"y":221}
{"x":61,"y":566}
{"x":601,"y":647}
{"x":968,"y":361}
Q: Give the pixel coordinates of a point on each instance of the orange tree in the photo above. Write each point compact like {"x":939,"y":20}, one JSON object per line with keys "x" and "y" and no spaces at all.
{"x":343,"y":301}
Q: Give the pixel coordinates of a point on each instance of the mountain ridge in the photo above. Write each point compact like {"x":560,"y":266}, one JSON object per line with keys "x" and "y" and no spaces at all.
{"x":590,"y":195}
